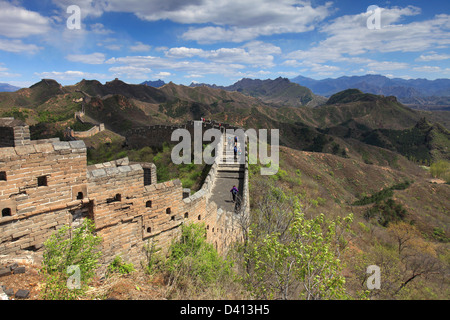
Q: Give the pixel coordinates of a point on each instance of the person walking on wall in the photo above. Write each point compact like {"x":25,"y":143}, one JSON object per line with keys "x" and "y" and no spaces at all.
{"x":234,"y":191}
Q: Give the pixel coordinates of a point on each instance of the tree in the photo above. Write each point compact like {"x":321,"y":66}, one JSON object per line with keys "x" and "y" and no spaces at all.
{"x":303,"y":263}
{"x":418,"y":257}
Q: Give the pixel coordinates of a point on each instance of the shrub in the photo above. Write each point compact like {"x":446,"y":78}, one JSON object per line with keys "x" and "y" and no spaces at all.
{"x":119,"y":266}
{"x":192,"y":257}
{"x":386,"y":212}
{"x":441,"y":169}
{"x":68,"y":248}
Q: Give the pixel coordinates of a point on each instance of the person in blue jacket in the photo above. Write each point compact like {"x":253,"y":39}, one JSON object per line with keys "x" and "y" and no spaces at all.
{"x":234,"y":191}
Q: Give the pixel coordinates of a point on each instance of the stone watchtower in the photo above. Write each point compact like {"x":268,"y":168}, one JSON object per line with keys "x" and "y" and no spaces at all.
{"x":13,"y":133}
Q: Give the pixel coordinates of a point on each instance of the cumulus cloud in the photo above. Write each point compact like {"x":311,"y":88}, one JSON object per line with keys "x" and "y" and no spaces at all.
{"x":348,"y":40}
{"x":233,"y":20}
{"x":17,"y":22}
{"x":254,"y":53}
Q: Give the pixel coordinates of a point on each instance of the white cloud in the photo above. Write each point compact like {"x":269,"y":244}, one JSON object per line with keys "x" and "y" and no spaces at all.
{"x":162,"y":75}
{"x":99,"y":28}
{"x":387,"y":65}
{"x":166,"y":63}
{"x":93,"y":58}
{"x":91,"y":8}
{"x":17,"y":46}
{"x":348,"y":37}
{"x":233,"y":20}
{"x":239,"y":21}
{"x":130,"y":72}
{"x":5,"y":74}
{"x":433,"y":57}
{"x":70,"y":75}
{"x":17,"y":22}
{"x":115,"y":47}
{"x":140,"y":47}
{"x":427,"y":69}
{"x":254,"y":53}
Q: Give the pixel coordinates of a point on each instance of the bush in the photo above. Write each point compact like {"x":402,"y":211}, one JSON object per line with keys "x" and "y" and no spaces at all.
{"x":386,"y":212}
{"x":119,"y":266}
{"x":192,"y":257}
{"x":441,"y":169}
{"x":70,"y":249}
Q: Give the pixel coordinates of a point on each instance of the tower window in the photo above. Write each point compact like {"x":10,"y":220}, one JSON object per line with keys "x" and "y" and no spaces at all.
{"x":168,"y":210}
{"x":2,"y":175}
{"x":6,"y":212}
{"x":80,"y":196}
{"x":42,"y":181}
{"x":148,"y":204}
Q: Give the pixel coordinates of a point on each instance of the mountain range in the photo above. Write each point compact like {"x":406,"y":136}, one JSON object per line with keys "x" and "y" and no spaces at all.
{"x":349,"y":120}
{"x":417,"y":93}
{"x":5,"y":87}
{"x":420,"y":92}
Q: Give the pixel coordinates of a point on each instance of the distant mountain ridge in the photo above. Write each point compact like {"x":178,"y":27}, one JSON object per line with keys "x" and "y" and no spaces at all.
{"x":156,"y":84}
{"x":347,"y":118}
{"x":413,"y":91}
{"x":5,"y":87}
{"x":279,"y":91}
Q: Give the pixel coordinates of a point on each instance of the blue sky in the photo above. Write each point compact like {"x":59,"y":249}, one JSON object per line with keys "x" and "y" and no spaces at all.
{"x":221,"y":41}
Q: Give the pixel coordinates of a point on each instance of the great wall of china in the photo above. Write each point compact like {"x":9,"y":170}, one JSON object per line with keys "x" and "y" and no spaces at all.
{"x":45,"y":184}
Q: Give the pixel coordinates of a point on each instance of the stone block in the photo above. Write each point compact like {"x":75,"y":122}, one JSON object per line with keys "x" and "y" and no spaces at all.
{"x":98,"y":173}
{"x":9,"y":292}
{"x":22,"y":294}
{"x":24,"y":150}
{"x":44,"y":148}
{"x":5,"y":272}
{"x":61,"y":145}
{"x":79,"y":144}
{"x":19,"y":270}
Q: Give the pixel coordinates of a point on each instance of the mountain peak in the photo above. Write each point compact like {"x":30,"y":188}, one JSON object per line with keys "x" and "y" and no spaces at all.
{"x":47,"y":83}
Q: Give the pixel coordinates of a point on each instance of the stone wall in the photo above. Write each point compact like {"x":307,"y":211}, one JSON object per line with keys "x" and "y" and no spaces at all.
{"x":71,"y":134}
{"x":40,"y":192}
{"x":47,"y":184}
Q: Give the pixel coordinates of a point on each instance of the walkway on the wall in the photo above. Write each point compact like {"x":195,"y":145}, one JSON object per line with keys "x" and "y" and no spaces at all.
{"x":229,"y":173}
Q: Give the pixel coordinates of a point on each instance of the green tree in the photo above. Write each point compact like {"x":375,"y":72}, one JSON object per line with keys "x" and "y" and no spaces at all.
{"x":304,"y":264}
